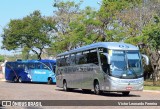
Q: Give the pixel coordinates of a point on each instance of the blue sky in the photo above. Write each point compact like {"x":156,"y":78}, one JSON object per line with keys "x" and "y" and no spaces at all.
{"x":17,"y":9}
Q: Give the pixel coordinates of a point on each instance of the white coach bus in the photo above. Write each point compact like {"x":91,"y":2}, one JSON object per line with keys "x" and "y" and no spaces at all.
{"x":102,"y":66}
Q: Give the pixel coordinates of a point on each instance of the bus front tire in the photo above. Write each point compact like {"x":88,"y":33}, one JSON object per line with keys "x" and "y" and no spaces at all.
{"x":20,"y":80}
{"x":65,"y":86}
{"x":15,"y":80}
{"x":125,"y":93}
{"x":49,"y":80}
{"x":97,"y":90}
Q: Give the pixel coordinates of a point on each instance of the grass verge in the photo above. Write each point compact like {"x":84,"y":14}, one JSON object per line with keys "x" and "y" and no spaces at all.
{"x":156,"y":88}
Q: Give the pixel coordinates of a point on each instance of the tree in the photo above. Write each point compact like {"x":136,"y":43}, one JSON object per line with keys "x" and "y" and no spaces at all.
{"x":31,"y":32}
{"x":144,"y":22}
{"x":86,"y":29}
{"x":76,"y":27}
{"x":66,"y":13}
{"x":112,"y":23}
{"x":151,"y":34}
{"x":2,"y":58}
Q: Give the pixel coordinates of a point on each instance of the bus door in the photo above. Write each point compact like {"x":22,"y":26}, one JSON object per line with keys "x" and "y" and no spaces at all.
{"x":33,"y":72}
{"x":42,"y":71}
{"x":48,"y":68}
{"x":105,"y":68}
{"x":91,"y":69}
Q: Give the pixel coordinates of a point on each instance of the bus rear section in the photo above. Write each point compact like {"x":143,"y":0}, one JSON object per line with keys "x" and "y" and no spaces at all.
{"x":13,"y":71}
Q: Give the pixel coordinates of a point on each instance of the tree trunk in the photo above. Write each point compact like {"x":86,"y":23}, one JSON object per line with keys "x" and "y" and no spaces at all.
{"x":39,"y":56}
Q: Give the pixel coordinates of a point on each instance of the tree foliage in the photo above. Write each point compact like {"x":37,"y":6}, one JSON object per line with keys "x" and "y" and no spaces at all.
{"x":66,"y":13}
{"x":152,"y":34}
{"x":2,"y":58}
{"x":32,"y":32}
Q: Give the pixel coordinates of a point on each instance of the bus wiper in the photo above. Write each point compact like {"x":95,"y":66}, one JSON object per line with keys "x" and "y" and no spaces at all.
{"x":130,"y":67}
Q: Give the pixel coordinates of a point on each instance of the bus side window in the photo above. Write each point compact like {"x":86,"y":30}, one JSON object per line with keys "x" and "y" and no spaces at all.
{"x":59,"y":61}
{"x":8,"y":65}
{"x":78,"y":56}
{"x":92,"y":57}
{"x":72,"y":59}
{"x":38,"y":66}
{"x":31,"y":66}
{"x":82,"y":60}
{"x":63,"y":61}
{"x":20,"y":66}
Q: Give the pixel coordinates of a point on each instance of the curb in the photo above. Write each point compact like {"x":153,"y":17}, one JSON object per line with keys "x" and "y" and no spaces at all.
{"x":1,"y":79}
{"x":153,"y":91}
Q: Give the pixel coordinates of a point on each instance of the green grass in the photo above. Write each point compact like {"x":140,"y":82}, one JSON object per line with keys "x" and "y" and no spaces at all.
{"x":148,"y":85}
{"x":152,"y":88}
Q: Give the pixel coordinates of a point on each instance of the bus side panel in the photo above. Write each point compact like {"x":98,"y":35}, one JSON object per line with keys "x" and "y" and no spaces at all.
{"x":24,"y":75}
{"x":9,"y":72}
{"x":98,"y":76}
{"x":41,"y":75}
{"x":38,"y":75}
{"x":67,"y":75}
{"x":59,"y":81}
{"x":75,"y":76}
{"x":87,"y":81}
{"x":105,"y":82}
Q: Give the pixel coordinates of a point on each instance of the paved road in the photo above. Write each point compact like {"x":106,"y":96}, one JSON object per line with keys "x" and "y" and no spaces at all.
{"x":34,"y":91}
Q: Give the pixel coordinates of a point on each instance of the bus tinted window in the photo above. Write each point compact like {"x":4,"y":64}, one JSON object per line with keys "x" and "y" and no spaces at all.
{"x":78,"y":55}
{"x":31,"y":65}
{"x":87,"y":57}
{"x":81,"y":58}
{"x":20,"y":65}
{"x":10,"y":65}
{"x":92,"y":57}
{"x":62,"y":61}
{"x":72,"y":59}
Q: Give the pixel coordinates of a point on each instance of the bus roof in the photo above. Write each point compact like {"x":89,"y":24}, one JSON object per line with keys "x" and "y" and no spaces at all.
{"x":33,"y":61}
{"x":109,"y":45}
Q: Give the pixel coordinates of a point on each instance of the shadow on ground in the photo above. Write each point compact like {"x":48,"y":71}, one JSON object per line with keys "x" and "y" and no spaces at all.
{"x":110,"y":94}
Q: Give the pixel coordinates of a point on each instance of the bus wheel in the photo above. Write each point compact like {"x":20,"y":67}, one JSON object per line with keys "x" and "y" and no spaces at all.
{"x":97,"y":88}
{"x":49,"y":80}
{"x":20,"y":79}
{"x":65,"y":86}
{"x":125,"y":93}
{"x":15,"y":80}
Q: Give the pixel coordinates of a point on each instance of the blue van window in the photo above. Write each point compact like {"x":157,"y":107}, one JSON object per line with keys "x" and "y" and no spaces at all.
{"x":31,"y":65}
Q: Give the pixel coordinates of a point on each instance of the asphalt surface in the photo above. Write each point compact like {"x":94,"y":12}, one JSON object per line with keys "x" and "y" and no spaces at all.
{"x":37,"y":91}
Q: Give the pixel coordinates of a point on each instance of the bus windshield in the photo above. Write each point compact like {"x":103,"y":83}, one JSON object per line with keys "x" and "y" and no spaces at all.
{"x":125,"y":64}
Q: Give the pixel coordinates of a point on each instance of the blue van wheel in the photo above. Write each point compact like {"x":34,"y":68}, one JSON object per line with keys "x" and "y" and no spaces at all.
{"x":50,"y":81}
{"x":15,"y":80}
{"x":20,"y":79}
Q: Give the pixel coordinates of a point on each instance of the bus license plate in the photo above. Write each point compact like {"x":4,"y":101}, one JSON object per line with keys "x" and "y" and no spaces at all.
{"x":129,"y":88}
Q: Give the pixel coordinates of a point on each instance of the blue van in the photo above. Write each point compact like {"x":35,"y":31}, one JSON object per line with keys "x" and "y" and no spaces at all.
{"x":31,"y":71}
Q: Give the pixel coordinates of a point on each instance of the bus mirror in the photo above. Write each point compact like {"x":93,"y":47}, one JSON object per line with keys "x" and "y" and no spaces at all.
{"x":109,"y":59}
{"x":145,"y":57}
